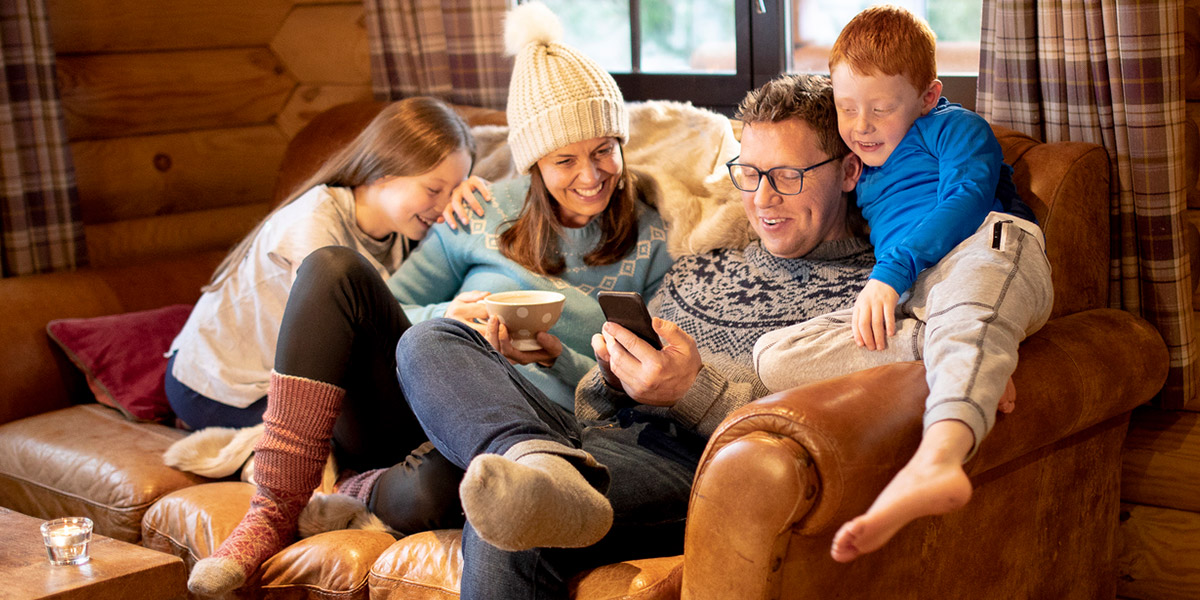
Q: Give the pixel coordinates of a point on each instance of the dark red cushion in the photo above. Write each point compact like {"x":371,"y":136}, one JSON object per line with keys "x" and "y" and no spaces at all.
{"x":123,"y":357}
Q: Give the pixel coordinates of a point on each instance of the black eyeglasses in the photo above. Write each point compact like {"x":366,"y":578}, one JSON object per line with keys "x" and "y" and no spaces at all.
{"x":788,"y":181}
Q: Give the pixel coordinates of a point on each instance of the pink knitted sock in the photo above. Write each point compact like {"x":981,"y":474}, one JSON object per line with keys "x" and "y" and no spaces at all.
{"x":359,"y":486}
{"x":288,"y":460}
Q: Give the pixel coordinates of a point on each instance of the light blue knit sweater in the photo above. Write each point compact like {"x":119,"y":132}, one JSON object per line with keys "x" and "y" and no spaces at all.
{"x":451,"y":261}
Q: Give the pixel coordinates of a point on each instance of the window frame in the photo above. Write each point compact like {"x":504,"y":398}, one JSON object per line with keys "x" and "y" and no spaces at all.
{"x":760,"y":34}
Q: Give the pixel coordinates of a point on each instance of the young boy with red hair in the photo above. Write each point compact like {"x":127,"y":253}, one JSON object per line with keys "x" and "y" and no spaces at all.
{"x":961,"y":274}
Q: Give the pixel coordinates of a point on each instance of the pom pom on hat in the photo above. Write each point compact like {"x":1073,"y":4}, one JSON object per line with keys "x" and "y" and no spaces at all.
{"x":557,"y":95}
{"x":529,"y":23}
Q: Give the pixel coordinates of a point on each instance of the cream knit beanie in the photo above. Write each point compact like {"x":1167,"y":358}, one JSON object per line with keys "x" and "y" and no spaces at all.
{"x":557,"y":95}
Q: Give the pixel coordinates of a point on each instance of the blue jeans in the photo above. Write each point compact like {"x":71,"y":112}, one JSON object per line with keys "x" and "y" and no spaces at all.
{"x":471,"y":401}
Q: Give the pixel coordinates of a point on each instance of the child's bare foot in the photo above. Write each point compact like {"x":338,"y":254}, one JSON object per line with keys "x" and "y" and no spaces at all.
{"x":1008,"y":400}
{"x":932,"y":483}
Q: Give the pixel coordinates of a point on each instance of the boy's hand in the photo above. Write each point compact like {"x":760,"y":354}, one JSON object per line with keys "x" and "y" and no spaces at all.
{"x":463,"y":201}
{"x":874,"y":317}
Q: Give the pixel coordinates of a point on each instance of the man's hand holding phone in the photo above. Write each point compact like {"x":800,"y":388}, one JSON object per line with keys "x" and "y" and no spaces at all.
{"x":649,"y":376}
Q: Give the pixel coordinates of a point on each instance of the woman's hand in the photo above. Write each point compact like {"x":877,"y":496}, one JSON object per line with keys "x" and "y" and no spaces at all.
{"x":649,"y":376}
{"x":497,"y":336}
{"x":468,"y":308}
{"x":874,"y":318}
{"x":463,"y":201}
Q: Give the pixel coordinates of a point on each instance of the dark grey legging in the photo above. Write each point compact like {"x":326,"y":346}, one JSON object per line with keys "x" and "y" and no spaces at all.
{"x":341,"y":326}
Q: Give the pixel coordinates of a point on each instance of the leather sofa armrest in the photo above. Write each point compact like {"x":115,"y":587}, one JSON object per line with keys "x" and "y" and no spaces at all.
{"x":806,"y":460}
{"x":34,"y":380}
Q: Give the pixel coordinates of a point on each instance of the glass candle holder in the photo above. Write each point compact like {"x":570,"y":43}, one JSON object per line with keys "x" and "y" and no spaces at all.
{"x":67,"y":540}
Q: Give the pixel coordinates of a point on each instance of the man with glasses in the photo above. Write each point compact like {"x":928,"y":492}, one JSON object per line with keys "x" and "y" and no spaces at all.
{"x":640,"y":441}
{"x":795,"y":175}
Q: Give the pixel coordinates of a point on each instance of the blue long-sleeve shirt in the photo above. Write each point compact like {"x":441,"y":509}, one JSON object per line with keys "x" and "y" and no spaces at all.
{"x":451,"y":261}
{"x":934,"y":191}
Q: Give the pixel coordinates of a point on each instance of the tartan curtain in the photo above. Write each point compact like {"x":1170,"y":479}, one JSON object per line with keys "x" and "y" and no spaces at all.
{"x":40,"y":227}
{"x":1109,"y":72}
{"x":452,"y":49}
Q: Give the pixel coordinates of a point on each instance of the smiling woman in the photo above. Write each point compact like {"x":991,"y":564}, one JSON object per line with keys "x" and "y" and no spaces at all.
{"x":582,"y":177}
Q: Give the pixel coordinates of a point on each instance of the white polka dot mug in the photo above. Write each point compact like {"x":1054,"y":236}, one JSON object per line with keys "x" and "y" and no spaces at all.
{"x":525,"y":313}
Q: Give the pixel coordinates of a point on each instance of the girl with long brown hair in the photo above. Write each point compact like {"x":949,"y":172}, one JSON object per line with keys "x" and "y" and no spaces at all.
{"x":378,"y":196}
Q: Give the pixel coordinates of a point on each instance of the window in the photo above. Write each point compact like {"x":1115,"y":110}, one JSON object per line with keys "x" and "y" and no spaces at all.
{"x":710,"y":52}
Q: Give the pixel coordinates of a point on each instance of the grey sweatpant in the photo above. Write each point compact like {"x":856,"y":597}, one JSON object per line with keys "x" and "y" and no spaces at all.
{"x":965,"y":316}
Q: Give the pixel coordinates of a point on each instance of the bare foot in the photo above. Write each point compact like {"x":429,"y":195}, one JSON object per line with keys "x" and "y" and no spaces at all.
{"x":1008,"y":400}
{"x":932,"y":483}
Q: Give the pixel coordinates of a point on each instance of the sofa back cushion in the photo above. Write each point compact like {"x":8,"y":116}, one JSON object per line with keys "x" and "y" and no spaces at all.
{"x":1066,"y":185}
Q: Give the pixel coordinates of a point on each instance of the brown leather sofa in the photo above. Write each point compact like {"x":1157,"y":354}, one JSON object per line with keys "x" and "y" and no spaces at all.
{"x":778,"y":477}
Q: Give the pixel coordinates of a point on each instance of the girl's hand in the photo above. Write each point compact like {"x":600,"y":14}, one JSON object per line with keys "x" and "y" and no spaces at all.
{"x":874,"y":318}
{"x":497,"y":336}
{"x":463,"y":201}
{"x":468,"y":308}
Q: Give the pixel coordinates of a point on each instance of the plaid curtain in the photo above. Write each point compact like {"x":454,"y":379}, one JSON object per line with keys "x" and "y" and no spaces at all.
{"x":40,"y":225}
{"x":452,"y":49}
{"x":1109,"y":72}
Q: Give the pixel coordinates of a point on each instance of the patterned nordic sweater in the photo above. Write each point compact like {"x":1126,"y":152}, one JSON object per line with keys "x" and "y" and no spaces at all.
{"x":725,"y":300}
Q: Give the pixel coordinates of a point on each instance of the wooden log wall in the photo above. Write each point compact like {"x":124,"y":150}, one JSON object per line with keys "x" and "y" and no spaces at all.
{"x":1159,"y":539}
{"x":178,"y":112}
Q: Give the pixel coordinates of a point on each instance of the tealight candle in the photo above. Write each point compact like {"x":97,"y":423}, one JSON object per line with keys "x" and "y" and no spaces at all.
{"x":67,"y":540}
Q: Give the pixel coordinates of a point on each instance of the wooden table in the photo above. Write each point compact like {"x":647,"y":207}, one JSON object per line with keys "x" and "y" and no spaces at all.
{"x":116,"y":571}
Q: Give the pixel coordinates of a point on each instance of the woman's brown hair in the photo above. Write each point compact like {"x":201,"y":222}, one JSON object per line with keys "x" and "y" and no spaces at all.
{"x":532,"y":239}
{"x":406,"y":138}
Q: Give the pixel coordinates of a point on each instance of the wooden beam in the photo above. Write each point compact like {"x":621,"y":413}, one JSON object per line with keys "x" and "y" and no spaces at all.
{"x":90,"y":26}
{"x":142,"y":240}
{"x":344,"y":60}
{"x":117,"y":95}
{"x":142,"y":176}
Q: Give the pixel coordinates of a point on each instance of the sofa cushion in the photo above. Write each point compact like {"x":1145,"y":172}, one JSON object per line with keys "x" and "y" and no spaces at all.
{"x":88,"y":461}
{"x":191,"y":523}
{"x":428,"y":566}
{"x":122,"y":356}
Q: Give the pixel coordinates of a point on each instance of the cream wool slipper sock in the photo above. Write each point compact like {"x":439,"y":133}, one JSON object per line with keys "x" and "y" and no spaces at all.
{"x":538,"y":500}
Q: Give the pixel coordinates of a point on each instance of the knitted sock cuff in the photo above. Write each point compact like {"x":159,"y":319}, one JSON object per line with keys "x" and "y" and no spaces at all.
{"x":595,"y":473}
{"x":291,"y":453}
{"x":302,"y":402}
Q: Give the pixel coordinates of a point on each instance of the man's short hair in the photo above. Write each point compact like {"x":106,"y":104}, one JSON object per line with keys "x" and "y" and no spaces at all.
{"x":805,"y":97}
{"x":888,"y":40}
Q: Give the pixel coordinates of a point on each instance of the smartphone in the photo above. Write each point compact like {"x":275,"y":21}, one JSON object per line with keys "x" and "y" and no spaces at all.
{"x":629,"y":311}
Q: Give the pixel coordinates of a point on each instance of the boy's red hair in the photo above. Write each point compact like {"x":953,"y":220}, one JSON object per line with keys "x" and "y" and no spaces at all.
{"x":887,"y":40}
